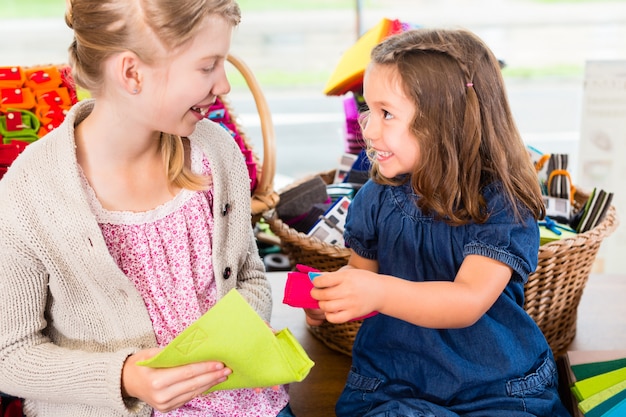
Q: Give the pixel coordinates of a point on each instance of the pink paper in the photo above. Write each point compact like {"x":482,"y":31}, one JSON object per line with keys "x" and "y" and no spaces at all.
{"x":298,"y":290}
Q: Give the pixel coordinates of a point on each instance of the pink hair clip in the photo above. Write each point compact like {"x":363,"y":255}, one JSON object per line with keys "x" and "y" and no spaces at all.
{"x":469,"y":84}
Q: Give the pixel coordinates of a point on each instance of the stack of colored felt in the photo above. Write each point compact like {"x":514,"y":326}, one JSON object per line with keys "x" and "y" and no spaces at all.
{"x":600,"y":386}
{"x":594,"y":210}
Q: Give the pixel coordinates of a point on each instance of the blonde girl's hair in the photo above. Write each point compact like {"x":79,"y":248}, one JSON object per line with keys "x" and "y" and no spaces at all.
{"x":103,"y":28}
{"x":467,"y":136}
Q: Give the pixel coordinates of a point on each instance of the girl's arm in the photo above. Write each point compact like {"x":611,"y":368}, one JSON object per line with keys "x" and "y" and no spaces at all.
{"x":352,"y":292}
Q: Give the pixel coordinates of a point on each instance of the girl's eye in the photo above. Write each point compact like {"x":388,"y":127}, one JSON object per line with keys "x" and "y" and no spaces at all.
{"x":212,"y":65}
{"x":387,"y":115}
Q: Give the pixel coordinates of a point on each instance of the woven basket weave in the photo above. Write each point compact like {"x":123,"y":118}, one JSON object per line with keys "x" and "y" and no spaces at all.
{"x":554,"y":290}
{"x":552,"y":293}
{"x":305,"y":250}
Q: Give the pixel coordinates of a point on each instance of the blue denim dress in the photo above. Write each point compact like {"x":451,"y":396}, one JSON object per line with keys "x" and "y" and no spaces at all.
{"x":500,"y":366}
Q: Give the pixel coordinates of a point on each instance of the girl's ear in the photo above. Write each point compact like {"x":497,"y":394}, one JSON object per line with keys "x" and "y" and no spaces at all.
{"x":128,"y":72}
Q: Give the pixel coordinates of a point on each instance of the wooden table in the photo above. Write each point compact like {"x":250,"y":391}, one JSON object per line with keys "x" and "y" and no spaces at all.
{"x":601,"y":326}
{"x":317,"y":394}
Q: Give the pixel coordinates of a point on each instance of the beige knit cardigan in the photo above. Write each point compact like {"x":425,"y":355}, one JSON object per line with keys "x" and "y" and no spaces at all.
{"x":69,"y":317}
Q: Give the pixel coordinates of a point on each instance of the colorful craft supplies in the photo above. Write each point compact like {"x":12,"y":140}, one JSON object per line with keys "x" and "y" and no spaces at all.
{"x":594,"y":210}
{"x":550,"y":230}
{"x":348,"y":74}
{"x":598,"y":382}
{"x":11,"y":77}
{"x":19,"y":124}
{"x":33,"y":101}
{"x":219,"y":114}
{"x":298,"y":288}
{"x":16,"y":98}
{"x":42,"y":77}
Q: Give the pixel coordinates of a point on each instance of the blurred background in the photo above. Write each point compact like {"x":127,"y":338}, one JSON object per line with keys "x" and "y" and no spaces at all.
{"x":292,"y":47}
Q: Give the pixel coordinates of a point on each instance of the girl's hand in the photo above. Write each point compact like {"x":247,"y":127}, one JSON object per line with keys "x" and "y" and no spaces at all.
{"x":347,"y":294}
{"x":166,"y":389}
{"x":314,"y":317}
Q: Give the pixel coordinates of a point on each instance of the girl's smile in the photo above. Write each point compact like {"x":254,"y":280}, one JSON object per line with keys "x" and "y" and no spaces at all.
{"x":201,"y":111}
{"x":382,"y":156}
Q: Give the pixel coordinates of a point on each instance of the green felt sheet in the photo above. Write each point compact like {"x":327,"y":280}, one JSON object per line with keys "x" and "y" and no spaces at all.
{"x":233,"y":333}
{"x":602,"y":396}
{"x":601,"y":409}
{"x":587,"y":370}
{"x":587,"y":387}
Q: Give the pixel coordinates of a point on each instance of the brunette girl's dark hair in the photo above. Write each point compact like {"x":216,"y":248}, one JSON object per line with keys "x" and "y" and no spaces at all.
{"x":467,"y":136}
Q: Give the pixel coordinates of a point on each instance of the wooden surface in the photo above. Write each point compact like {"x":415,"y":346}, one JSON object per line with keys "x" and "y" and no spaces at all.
{"x":317,"y":394}
{"x":601,"y":326}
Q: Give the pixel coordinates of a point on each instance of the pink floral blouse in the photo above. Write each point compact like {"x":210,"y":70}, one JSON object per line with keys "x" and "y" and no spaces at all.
{"x":166,"y":252}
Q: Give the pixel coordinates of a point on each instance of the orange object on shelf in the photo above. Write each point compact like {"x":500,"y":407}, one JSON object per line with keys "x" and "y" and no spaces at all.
{"x":348,"y":74}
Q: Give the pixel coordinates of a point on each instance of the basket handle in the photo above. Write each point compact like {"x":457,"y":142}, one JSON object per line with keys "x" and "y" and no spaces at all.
{"x":265,"y":185}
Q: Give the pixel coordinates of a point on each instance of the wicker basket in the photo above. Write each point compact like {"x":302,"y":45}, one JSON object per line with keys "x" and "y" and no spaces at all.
{"x":554,"y":290}
{"x":264,"y":197}
{"x":552,"y":293}
{"x":305,"y":250}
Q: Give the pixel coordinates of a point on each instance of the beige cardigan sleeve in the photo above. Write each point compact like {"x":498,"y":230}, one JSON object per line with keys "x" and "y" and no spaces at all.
{"x":236,"y":260}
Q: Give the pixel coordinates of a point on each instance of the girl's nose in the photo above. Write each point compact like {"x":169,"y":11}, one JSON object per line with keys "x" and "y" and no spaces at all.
{"x":370,"y":129}
{"x":222,"y":86}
